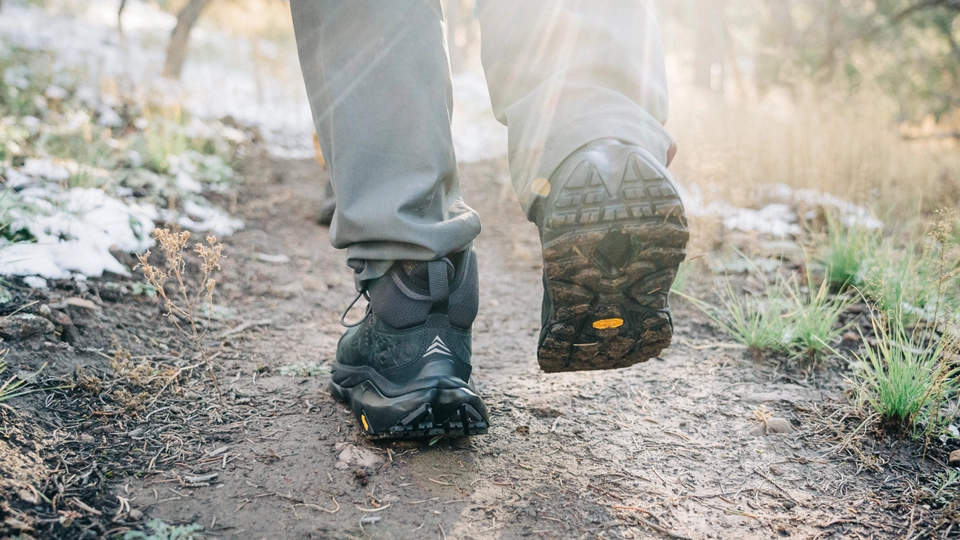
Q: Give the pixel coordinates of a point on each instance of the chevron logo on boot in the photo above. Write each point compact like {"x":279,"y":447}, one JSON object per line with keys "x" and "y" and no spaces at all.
{"x":437,"y":347}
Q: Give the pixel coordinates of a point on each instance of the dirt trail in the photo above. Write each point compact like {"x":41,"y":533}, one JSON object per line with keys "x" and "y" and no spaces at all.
{"x":660,"y":449}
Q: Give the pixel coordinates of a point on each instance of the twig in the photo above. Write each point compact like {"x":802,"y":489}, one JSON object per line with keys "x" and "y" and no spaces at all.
{"x":362,"y":509}
{"x":633,"y":508}
{"x":242,"y":327}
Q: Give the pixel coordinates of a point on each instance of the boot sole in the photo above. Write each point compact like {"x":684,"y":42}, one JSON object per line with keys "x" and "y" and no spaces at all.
{"x":609,"y":263}
{"x":449,"y":412}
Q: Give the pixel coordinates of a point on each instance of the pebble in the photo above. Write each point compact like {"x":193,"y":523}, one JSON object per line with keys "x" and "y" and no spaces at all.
{"x":27,"y":496}
{"x":60,"y":318}
{"x":24,"y":325}
{"x":773,"y":426}
{"x":112,"y":292}
{"x":135,"y":515}
{"x":955,"y":458}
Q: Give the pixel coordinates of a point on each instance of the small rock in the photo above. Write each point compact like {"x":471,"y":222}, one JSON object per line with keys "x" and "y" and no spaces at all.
{"x":23,"y":326}
{"x":112,"y":292}
{"x":851,"y":338}
{"x":27,"y":496}
{"x":955,"y":458}
{"x":86,"y":438}
{"x":5,"y":296}
{"x":773,"y":426}
{"x":60,"y":318}
{"x":80,"y":303}
{"x":351,"y":455}
{"x":135,"y":515}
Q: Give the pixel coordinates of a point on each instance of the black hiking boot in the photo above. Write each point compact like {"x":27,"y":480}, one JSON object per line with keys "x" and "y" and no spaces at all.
{"x":405,"y":369}
{"x":614,"y":233}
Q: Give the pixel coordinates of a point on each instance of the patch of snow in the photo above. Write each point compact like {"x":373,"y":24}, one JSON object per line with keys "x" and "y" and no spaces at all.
{"x":45,"y":168}
{"x":109,"y":118}
{"x":75,"y":231}
{"x":56,"y":93}
{"x":35,"y":282}
{"x":208,"y":219}
{"x":185,"y":182}
{"x":778,"y":219}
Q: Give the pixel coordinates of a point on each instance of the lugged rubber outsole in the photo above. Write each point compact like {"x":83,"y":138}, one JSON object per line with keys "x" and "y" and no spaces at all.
{"x":609,"y":262}
{"x":456,"y":412}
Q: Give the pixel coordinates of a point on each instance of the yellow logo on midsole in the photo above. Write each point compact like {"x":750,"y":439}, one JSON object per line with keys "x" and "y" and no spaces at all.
{"x":605,"y":324}
{"x":363,"y":419}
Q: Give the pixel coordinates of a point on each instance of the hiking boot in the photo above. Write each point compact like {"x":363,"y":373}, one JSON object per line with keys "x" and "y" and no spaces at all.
{"x":614,"y":233}
{"x":405,"y":369}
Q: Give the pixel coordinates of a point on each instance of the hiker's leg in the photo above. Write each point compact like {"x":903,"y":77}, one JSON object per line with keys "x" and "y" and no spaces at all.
{"x":378,"y":80}
{"x":581,"y":86}
{"x":563,"y":73}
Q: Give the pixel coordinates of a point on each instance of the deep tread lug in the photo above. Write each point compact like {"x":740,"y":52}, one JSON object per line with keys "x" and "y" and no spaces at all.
{"x":610,"y":258}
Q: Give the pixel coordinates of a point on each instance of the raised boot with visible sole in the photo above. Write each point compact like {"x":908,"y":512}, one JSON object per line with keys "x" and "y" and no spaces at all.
{"x":614,"y":233}
{"x":405,"y":369}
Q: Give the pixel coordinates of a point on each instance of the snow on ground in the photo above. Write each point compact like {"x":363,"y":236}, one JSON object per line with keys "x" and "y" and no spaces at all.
{"x":778,"y":219}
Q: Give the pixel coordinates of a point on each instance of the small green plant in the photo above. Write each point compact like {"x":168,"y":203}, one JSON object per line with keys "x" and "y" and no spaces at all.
{"x":682,"y":279}
{"x":164,"y":137}
{"x":945,"y":488}
{"x":812,"y":324}
{"x":11,"y":388}
{"x":906,"y":377}
{"x":158,"y":530}
{"x":846,"y":253}
{"x":784,"y":318}
{"x":900,"y":283}
{"x":14,"y":386}
{"x":756,"y":322}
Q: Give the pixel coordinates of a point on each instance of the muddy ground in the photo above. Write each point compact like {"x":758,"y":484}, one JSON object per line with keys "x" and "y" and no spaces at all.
{"x":705,"y":442}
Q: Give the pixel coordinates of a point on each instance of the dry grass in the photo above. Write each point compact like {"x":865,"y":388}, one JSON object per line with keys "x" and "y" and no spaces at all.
{"x":832,"y":142}
{"x":185,"y":304}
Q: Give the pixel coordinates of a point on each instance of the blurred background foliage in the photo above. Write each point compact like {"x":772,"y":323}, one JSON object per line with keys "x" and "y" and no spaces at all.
{"x":910,"y":49}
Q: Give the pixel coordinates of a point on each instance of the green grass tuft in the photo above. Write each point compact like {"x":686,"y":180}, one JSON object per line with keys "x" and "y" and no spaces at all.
{"x":813,"y":322}
{"x":905,"y":378}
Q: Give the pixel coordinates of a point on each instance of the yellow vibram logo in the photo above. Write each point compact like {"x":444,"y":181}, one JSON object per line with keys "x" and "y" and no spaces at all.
{"x":363,"y":420}
{"x":604,"y":324}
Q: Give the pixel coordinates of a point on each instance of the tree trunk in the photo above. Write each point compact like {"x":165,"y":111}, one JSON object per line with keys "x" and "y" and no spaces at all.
{"x":180,"y":38}
{"x":123,"y":4}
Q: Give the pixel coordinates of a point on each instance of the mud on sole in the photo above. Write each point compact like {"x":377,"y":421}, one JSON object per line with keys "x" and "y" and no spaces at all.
{"x":609,"y":263}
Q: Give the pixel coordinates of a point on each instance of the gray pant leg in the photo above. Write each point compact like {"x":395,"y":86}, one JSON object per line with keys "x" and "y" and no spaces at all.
{"x":378,"y":80}
{"x":563,"y":73}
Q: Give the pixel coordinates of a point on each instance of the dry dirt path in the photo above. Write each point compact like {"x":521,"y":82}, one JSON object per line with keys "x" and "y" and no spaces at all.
{"x":662,"y":449}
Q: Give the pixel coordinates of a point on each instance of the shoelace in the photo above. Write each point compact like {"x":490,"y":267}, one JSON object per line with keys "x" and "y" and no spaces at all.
{"x":369,"y":310}
{"x":439,"y":290}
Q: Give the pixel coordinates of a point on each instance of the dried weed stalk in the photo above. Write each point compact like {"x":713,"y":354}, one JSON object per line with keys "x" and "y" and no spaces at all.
{"x":185,"y":304}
